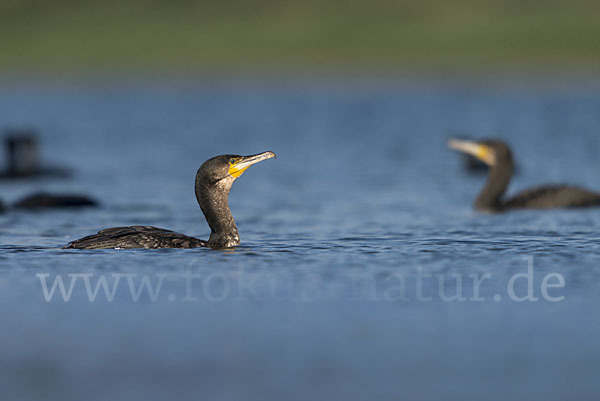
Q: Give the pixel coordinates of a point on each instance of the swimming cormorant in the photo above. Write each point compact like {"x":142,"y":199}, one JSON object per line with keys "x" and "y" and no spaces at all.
{"x":43,"y":200}
{"x":213,"y":182}
{"x":497,"y":155}
{"x":23,"y":160}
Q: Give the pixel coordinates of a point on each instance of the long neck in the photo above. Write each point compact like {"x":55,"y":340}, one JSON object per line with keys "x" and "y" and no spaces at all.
{"x":490,"y":197}
{"x":214,"y":202}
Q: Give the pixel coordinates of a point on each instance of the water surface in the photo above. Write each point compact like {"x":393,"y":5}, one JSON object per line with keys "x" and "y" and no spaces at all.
{"x":323,"y":300}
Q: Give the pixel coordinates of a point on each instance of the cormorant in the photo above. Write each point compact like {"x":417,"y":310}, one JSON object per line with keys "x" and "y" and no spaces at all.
{"x":213,"y":183}
{"x":22,"y":155}
{"x":42,"y":200}
{"x":497,"y":155}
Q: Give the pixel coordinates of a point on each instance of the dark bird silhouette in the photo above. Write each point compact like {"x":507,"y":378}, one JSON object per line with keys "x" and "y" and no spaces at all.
{"x":497,"y":155}
{"x":42,"y":200}
{"x":213,"y":183}
{"x":23,"y":160}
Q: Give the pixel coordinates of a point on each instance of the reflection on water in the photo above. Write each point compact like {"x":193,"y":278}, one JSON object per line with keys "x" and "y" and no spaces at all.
{"x":354,"y":242}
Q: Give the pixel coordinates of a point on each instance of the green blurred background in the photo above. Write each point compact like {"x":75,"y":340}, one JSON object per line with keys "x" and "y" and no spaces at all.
{"x":187,"y":36}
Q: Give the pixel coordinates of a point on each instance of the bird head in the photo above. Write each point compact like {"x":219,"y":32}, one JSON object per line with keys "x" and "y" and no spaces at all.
{"x":227,"y":168}
{"x":490,"y":151}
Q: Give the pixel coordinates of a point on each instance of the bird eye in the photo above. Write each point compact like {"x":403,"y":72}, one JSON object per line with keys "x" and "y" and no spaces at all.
{"x":231,"y":161}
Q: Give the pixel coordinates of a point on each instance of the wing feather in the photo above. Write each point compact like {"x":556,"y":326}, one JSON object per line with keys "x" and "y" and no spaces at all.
{"x":136,"y":237}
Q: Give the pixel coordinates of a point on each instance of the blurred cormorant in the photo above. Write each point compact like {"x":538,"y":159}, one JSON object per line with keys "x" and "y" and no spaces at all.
{"x":22,"y":156}
{"x":42,"y":200}
{"x":497,"y":155}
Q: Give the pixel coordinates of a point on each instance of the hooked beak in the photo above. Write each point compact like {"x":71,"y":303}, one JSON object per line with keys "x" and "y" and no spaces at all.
{"x":477,"y":150}
{"x":238,"y":165}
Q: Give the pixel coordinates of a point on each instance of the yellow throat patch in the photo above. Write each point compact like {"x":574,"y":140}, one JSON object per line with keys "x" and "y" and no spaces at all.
{"x":234,"y":170}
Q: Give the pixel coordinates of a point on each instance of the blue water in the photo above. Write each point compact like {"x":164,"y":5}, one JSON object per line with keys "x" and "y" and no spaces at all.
{"x":322,"y":300}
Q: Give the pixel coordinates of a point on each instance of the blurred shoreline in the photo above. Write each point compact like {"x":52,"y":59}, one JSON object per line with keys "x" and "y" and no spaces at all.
{"x":582,"y":81}
{"x":429,"y":37}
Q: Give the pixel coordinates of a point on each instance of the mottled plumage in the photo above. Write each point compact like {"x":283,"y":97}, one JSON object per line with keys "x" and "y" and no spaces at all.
{"x":137,"y":237}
